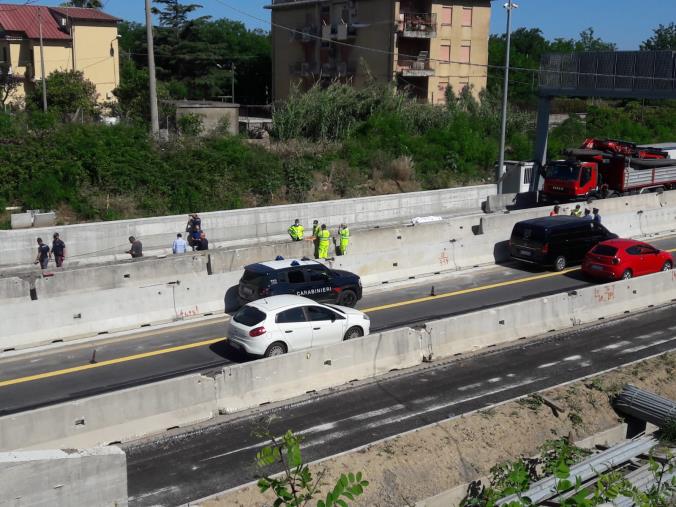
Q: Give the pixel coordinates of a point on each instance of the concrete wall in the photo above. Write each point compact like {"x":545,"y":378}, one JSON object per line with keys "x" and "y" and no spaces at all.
{"x":105,"y":240}
{"x":61,"y":478}
{"x":14,"y":290}
{"x":152,"y":408}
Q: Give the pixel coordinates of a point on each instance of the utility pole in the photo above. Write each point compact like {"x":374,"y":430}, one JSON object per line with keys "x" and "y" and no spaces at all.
{"x":42,"y":64}
{"x":154,"y":116}
{"x":503,"y":130}
{"x":232,"y":83}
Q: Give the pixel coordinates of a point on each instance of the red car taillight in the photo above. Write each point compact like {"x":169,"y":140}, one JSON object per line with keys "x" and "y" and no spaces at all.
{"x":616,"y":261}
{"x":257,"y":331}
{"x":545,"y":248}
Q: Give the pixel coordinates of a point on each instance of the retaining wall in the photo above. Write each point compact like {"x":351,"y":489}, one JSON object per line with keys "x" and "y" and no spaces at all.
{"x":152,"y":408}
{"x":61,"y":478}
{"x":104,"y":239}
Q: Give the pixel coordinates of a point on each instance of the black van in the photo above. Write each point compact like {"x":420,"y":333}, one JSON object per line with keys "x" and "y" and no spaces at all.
{"x":555,"y":241}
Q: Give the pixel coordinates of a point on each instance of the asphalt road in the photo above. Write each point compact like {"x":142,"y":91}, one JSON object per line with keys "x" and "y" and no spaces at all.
{"x":74,"y":371}
{"x":190,"y":465}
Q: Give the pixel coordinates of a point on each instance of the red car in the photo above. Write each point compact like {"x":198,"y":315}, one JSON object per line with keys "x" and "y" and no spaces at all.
{"x":617,"y":259}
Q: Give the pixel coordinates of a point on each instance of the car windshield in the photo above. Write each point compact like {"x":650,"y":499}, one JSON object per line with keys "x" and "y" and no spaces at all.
{"x":606,"y":250}
{"x":336,"y":308}
{"x":564,"y":172}
{"x":249,"y":316}
{"x":254,"y":278}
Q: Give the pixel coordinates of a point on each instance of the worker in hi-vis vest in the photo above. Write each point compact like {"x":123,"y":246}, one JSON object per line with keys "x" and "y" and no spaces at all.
{"x":344,"y":233}
{"x":315,"y":237}
{"x":296,"y":231}
{"x":324,"y":242}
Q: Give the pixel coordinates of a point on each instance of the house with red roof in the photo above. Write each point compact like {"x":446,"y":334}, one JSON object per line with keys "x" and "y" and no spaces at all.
{"x":72,"y":39}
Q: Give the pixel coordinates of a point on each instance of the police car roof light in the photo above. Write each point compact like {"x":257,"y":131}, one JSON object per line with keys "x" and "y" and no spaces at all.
{"x":279,"y":258}
{"x":295,"y":263}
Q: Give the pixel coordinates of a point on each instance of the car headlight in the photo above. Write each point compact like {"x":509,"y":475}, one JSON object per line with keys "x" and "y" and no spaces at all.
{"x":366,"y":317}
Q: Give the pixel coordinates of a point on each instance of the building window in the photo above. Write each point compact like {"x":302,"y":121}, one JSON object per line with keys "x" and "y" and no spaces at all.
{"x":465,"y":51}
{"x":5,"y":59}
{"x":466,"y":16}
{"x":446,"y":15}
{"x":445,"y":53}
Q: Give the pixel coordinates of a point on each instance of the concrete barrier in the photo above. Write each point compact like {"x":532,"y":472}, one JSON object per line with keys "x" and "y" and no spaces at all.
{"x":61,"y":478}
{"x":503,"y":222}
{"x":112,"y":417}
{"x":21,"y":220}
{"x":152,"y":408}
{"x":104,"y":239}
{"x":250,"y":384}
{"x":82,"y":315}
{"x":14,"y":290}
{"x":128,"y":274}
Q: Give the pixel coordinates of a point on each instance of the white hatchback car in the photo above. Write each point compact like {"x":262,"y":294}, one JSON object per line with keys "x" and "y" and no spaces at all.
{"x":279,"y":324}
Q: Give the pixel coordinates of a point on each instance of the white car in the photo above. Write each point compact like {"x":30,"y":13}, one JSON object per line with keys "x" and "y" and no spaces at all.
{"x":279,"y":324}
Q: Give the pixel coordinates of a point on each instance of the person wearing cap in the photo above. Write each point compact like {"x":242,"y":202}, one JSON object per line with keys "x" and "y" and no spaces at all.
{"x":587,"y":214}
{"x":58,"y":250}
{"x":597,"y":216}
{"x":324,"y":242}
{"x":296,"y":231}
{"x":577,"y":212}
{"x":344,"y":233}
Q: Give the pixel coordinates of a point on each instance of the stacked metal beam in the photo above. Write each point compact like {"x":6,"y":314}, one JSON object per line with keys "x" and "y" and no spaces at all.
{"x":645,"y":406}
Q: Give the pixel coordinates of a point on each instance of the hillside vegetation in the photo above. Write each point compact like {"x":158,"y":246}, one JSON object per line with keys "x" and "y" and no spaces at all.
{"x":331,"y":143}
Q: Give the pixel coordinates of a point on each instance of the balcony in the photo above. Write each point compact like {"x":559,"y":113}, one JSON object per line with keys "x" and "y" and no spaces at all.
{"x":337,"y":70}
{"x":417,"y":25}
{"x":306,"y":34}
{"x":418,"y":67}
{"x":304,"y":69}
{"x":339,"y":31}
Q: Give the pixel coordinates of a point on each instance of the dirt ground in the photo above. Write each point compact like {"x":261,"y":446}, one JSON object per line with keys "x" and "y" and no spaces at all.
{"x":418,"y":465}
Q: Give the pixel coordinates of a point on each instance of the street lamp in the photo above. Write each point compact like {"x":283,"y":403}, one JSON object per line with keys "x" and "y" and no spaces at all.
{"x":503,"y":130}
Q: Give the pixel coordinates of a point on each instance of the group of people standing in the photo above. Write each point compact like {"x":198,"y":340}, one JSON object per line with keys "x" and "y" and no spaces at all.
{"x":321,"y":237}
{"x":197,"y":238}
{"x":588,"y":214}
{"x":56,"y":252}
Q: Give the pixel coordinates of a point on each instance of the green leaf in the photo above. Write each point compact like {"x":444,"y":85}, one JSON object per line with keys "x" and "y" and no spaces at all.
{"x":320,"y":503}
{"x":358,"y":476}
{"x":340,"y":502}
{"x":351,"y":477}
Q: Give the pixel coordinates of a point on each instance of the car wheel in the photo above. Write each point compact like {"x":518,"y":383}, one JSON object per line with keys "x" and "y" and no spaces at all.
{"x":627,"y":274}
{"x":353,"y":332}
{"x":667,"y":266}
{"x":275,"y":349}
{"x":560,"y":263}
{"x":347,"y":298}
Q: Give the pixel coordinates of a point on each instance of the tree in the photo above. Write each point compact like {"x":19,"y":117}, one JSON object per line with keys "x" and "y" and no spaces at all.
{"x":8,"y":84}
{"x":174,"y":14}
{"x":69,"y":93}
{"x":664,"y":37}
{"x":88,"y":4}
{"x":133,"y":95}
{"x":297,"y":487}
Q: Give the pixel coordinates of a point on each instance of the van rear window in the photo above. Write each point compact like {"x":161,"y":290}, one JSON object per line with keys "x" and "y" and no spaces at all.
{"x":249,"y":316}
{"x":254,"y":278}
{"x":608,"y":251}
{"x":528,"y":232}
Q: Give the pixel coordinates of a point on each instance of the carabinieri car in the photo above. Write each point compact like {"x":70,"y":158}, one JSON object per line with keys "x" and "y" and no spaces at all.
{"x":308,"y":278}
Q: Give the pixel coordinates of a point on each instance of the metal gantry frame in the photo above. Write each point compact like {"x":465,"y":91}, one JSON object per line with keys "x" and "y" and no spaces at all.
{"x":602,"y":74}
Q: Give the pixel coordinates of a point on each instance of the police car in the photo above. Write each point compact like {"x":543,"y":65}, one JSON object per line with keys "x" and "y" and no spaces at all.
{"x":308,"y":278}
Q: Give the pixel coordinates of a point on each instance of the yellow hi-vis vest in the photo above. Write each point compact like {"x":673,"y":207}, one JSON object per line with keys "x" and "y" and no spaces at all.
{"x":344,"y":235}
{"x":296,"y":232}
{"x":324,"y":236}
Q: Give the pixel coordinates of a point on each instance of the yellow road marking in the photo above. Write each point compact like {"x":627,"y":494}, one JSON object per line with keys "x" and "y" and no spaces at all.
{"x":188,"y":346}
{"x":469,"y":290}
{"x":109,"y":362}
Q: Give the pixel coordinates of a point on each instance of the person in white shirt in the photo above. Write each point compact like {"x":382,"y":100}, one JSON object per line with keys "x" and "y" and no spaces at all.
{"x":180,"y":245}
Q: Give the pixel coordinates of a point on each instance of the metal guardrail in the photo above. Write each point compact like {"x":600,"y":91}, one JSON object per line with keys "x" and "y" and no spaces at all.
{"x":645,"y":406}
{"x":587,"y":469}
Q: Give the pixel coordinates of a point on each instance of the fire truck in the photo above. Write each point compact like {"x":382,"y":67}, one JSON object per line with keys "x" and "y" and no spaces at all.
{"x":607,"y":168}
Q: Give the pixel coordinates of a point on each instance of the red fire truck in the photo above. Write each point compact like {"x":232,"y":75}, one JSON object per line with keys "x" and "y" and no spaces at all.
{"x":607,"y":168}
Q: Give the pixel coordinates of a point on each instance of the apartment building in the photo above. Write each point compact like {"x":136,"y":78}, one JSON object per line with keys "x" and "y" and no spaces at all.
{"x":422,"y":45}
{"x":72,"y":38}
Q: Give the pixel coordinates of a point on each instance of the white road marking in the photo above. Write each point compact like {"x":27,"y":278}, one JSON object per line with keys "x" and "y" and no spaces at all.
{"x":613,"y":346}
{"x":376,"y":413}
{"x":649,"y":335}
{"x":469,"y":386}
{"x":647,"y":346}
{"x":572,"y":358}
{"x":494,"y":380}
{"x":548,"y":365}
{"x":584,"y":364}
